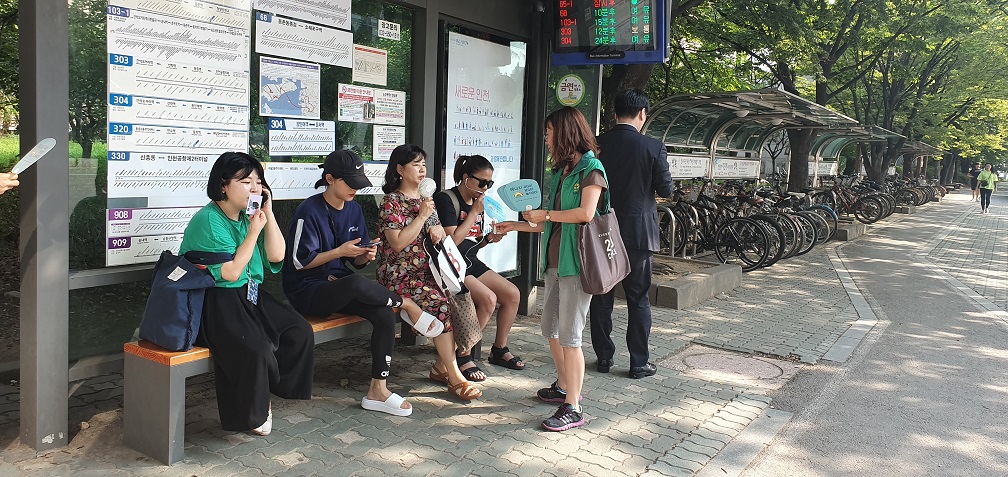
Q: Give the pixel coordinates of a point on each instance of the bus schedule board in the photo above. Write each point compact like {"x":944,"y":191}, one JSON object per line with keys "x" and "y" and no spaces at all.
{"x":591,"y":32}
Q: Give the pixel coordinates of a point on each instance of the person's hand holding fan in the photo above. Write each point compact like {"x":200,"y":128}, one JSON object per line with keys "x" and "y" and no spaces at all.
{"x":521,"y":195}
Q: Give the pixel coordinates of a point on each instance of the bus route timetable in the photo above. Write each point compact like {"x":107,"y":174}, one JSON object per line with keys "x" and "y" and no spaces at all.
{"x":604,"y":25}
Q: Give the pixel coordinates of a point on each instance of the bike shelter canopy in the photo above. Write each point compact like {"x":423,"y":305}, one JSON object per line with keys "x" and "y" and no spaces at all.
{"x":731,"y":126}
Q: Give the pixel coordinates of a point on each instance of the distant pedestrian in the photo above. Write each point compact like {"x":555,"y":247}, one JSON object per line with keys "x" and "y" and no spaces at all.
{"x":638,"y":169}
{"x":973,"y":173}
{"x":986,"y":181}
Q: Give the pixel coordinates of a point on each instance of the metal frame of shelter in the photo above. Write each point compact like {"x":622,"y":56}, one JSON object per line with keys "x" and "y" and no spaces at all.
{"x":832,"y":143}
{"x":917,"y":150}
{"x":734,"y":124}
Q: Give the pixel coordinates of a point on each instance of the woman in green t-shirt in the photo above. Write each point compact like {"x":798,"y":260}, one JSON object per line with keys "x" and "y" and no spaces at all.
{"x":986,"y":181}
{"x":260,"y":345}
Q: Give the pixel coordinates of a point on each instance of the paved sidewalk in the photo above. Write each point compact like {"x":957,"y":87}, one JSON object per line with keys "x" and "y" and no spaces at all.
{"x":671,"y":424}
{"x":973,"y":248}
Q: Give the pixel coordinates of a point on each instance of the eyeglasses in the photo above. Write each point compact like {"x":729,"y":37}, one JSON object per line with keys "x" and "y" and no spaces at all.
{"x":482,"y":183}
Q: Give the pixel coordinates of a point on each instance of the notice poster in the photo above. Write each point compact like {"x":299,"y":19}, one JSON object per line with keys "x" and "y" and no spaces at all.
{"x":736,"y":168}
{"x":688,"y":167}
{"x":360,"y":104}
{"x":826,"y":168}
{"x":178,"y":83}
{"x":370,"y":65}
{"x":387,"y":138}
{"x":485,"y":96}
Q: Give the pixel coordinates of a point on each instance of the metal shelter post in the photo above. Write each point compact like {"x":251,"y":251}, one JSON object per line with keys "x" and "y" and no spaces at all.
{"x":45,"y":212}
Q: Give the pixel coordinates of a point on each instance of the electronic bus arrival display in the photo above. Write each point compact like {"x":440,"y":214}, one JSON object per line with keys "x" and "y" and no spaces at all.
{"x":609,"y":31}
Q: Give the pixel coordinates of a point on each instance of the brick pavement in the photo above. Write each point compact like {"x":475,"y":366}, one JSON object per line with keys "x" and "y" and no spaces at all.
{"x":974,"y":249}
{"x":668,"y":425}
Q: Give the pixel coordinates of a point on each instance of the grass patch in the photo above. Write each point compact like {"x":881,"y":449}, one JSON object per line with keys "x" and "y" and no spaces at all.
{"x":10,"y":151}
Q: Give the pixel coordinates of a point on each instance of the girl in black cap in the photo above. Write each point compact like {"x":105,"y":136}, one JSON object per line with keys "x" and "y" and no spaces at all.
{"x":328,"y":235}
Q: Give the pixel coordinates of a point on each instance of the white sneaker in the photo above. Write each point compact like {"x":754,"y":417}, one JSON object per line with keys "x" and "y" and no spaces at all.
{"x":266,"y":427}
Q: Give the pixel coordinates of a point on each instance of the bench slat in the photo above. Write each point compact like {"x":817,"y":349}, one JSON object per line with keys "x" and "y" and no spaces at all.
{"x":152,"y":352}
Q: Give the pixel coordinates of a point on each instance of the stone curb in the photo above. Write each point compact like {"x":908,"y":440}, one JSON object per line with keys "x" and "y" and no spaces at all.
{"x":692,"y":289}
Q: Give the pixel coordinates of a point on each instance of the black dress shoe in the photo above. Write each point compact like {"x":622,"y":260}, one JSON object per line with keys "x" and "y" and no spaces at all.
{"x":603,"y":365}
{"x":638,"y":372}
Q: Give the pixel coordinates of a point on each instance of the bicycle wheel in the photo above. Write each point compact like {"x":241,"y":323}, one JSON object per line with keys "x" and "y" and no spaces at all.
{"x":832,"y":221}
{"x":743,"y":242}
{"x":775,"y":232}
{"x":822,"y":229}
{"x":810,"y":229}
{"x":868,"y":210}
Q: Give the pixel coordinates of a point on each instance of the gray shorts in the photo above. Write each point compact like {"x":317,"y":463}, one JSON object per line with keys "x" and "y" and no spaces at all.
{"x":565,"y":309}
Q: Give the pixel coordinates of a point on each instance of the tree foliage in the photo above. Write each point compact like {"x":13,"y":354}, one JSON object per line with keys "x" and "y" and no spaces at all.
{"x":88,"y":73}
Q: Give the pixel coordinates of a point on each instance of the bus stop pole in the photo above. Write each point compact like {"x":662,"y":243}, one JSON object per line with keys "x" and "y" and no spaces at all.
{"x":45,"y":213}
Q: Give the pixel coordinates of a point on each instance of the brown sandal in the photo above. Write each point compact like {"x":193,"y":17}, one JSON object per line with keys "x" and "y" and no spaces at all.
{"x":439,"y":376}
{"x":465,"y":391}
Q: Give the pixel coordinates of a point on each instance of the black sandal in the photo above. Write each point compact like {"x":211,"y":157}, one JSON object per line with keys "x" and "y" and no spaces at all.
{"x":497,"y":358}
{"x":469,"y":373}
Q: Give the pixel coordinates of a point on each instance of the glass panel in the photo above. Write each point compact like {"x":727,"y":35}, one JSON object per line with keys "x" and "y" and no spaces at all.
{"x":95,"y":328}
{"x":103,"y":318}
{"x":88,"y":117}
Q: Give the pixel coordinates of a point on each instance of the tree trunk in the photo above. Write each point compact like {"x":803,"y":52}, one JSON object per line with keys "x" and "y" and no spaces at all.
{"x":622,"y":77}
{"x":86,"y":146}
{"x":801,"y":145}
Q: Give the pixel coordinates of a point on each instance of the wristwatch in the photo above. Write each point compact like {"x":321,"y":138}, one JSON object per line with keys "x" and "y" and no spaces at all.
{"x":547,"y":216}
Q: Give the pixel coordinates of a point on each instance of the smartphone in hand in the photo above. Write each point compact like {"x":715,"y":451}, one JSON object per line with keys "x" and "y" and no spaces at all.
{"x":373,"y":243}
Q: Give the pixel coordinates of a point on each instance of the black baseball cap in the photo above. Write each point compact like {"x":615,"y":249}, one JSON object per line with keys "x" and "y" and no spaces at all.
{"x":347,"y":165}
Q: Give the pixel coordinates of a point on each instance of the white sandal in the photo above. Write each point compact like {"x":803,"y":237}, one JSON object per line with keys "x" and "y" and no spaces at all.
{"x":392,"y":405}
{"x":423,"y":324}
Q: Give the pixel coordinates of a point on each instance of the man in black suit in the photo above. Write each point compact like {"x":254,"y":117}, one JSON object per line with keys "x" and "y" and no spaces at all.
{"x":637,"y":168}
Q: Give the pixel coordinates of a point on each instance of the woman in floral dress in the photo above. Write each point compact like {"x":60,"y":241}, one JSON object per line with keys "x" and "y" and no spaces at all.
{"x":402,"y":262}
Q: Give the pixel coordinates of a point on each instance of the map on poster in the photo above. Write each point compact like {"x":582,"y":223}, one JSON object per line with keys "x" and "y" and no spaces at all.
{"x":289,"y":88}
{"x":324,"y":12}
{"x":178,"y":89}
{"x":485,"y":114}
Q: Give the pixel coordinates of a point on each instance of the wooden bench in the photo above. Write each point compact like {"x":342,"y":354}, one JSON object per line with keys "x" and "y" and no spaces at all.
{"x":154,"y":387}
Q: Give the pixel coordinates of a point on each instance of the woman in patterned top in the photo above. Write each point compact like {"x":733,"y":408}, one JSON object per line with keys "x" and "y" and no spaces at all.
{"x":402,"y":263}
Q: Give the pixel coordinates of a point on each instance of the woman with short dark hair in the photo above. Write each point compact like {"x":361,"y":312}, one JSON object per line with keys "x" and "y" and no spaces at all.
{"x":260,"y":345}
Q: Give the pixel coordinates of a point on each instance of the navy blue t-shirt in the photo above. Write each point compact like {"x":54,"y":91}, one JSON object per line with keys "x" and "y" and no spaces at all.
{"x":317,"y":227}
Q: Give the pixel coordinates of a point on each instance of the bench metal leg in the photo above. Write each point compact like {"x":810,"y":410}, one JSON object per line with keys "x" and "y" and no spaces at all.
{"x":154,"y":408}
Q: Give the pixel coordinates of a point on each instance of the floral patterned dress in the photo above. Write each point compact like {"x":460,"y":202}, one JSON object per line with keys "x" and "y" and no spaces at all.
{"x":407,"y":272}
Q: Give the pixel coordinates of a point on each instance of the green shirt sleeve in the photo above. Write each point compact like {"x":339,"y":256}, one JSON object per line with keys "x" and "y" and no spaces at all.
{"x":210,"y":230}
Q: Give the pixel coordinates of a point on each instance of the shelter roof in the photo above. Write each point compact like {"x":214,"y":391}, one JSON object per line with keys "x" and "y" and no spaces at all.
{"x":740,"y":119}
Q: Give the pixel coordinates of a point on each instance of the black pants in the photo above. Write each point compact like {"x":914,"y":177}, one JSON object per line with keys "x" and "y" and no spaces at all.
{"x":985,"y":197}
{"x":635,"y":286}
{"x":257,"y":349}
{"x":358,"y":295}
